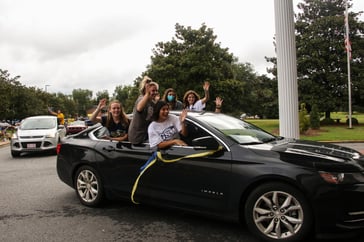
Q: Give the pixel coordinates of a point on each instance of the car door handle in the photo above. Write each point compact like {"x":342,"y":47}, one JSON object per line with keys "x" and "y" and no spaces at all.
{"x":109,"y":148}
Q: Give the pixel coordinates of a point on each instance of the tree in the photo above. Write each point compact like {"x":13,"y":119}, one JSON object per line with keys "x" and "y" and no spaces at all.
{"x":28,"y":103}
{"x":303,"y":118}
{"x":265,"y":97}
{"x":127,"y":96}
{"x":189,"y":59}
{"x":102,"y":94}
{"x":184,"y":63}
{"x":321,"y":57}
{"x":7,"y":88}
{"x":192,"y":57}
{"x":315,"y":117}
{"x":83,"y":100}
{"x":64,"y":103}
{"x":17,"y":100}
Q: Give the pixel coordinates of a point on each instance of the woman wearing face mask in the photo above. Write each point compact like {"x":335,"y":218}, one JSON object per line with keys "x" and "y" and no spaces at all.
{"x":170,"y":97}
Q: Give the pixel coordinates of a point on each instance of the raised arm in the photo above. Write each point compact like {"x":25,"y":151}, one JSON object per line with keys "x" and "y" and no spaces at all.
{"x":183,"y":125}
{"x":206,"y":87}
{"x":218,"y":104}
{"x":95,"y":118}
{"x":143,"y":102}
{"x":51,"y":112}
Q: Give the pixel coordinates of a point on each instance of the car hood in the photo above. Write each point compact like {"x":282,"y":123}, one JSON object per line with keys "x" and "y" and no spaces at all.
{"x":314,"y":154}
{"x":38,"y":132}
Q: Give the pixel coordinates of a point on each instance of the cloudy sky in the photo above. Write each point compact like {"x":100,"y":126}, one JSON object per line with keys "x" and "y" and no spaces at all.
{"x":98,"y":45}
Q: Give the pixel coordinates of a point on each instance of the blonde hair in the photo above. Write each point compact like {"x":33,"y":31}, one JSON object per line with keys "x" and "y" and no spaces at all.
{"x":146,"y":79}
{"x":122,"y":116}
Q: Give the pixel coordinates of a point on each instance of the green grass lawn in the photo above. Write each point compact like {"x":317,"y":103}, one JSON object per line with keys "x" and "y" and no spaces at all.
{"x":338,"y":132}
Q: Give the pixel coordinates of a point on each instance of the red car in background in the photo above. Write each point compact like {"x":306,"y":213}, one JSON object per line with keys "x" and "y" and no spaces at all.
{"x":76,"y":126}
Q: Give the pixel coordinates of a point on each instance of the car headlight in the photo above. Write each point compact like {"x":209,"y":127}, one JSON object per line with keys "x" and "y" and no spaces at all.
{"x":342,"y":177}
{"x":52,"y":135}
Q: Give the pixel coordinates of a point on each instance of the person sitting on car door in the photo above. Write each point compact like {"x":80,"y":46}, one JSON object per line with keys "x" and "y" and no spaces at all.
{"x":192,"y":100}
{"x":170,"y":96}
{"x":115,"y":121}
{"x":143,"y":111}
{"x":165,"y":128}
{"x":218,"y":104}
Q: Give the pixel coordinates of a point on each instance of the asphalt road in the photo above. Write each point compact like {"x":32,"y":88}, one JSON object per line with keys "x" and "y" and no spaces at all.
{"x":36,"y":206}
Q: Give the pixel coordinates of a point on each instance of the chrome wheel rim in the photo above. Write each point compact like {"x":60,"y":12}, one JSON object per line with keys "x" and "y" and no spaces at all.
{"x":87,"y":186}
{"x":278,"y":215}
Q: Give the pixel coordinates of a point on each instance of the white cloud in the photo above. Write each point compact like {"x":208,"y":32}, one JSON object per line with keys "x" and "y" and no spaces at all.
{"x":98,"y":45}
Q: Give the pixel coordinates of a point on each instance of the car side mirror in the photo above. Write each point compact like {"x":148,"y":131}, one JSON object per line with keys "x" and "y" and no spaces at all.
{"x":206,"y":142}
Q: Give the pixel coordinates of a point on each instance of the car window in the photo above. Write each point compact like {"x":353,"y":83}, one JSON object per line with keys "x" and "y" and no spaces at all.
{"x":43,"y":123}
{"x":194,"y":132}
{"x":102,"y":132}
{"x":78,"y":122}
{"x":238,"y":130}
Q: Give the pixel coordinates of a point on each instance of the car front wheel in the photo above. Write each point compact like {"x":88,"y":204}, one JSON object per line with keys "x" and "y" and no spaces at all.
{"x":278,"y":212}
{"x":88,"y":186}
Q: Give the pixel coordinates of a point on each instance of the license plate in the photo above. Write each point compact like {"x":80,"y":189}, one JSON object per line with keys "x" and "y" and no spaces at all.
{"x":31,"y":146}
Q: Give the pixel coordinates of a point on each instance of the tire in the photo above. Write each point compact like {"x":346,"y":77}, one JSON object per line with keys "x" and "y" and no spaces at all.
{"x":15,"y":153}
{"x":88,"y":186}
{"x":278,"y":212}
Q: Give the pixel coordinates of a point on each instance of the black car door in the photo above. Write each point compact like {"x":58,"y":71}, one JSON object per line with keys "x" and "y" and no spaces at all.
{"x":184,"y":180}
{"x":190,"y":176}
{"x":120,"y":164}
{"x":184,"y":176}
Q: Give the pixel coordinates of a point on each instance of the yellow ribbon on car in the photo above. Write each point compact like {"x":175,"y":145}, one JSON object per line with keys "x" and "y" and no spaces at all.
{"x":158,"y":156}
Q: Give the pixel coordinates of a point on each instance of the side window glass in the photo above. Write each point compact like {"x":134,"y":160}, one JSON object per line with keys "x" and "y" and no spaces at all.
{"x":101,"y":132}
{"x":193,"y":133}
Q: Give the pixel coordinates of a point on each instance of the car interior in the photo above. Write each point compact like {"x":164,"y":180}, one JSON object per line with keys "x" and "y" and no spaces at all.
{"x":197,"y":137}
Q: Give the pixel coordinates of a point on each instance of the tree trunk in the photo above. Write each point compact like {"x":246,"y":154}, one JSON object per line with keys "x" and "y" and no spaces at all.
{"x":327,"y":114}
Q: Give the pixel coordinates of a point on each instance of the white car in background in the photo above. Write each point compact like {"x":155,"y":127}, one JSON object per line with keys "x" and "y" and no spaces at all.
{"x":37,"y":134}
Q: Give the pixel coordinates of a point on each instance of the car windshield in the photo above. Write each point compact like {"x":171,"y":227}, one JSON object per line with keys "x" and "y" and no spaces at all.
{"x":238,"y":130}
{"x":78,"y":122}
{"x":41,"y":123}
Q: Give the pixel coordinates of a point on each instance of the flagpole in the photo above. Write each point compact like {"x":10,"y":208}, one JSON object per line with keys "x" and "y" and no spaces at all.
{"x":348,"y":57}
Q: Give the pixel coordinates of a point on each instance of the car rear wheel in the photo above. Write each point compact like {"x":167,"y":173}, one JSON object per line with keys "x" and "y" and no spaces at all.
{"x":88,"y":186}
{"x":278,"y":212}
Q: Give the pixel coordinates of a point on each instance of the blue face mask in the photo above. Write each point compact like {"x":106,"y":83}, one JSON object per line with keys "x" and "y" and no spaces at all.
{"x":170,"y":98}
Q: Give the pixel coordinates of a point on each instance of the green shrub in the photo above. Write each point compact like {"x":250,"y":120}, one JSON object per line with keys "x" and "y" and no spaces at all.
{"x":315,"y":117}
{"x":354,"y":121}
{"x":303,"y":119}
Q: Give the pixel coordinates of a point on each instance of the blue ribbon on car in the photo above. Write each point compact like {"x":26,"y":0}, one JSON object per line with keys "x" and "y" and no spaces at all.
{"x":154,"y":155}
{"x":157,"y":155}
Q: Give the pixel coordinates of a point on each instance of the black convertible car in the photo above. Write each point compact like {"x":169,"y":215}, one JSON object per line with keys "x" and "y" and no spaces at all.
{"x":282,"y":189}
